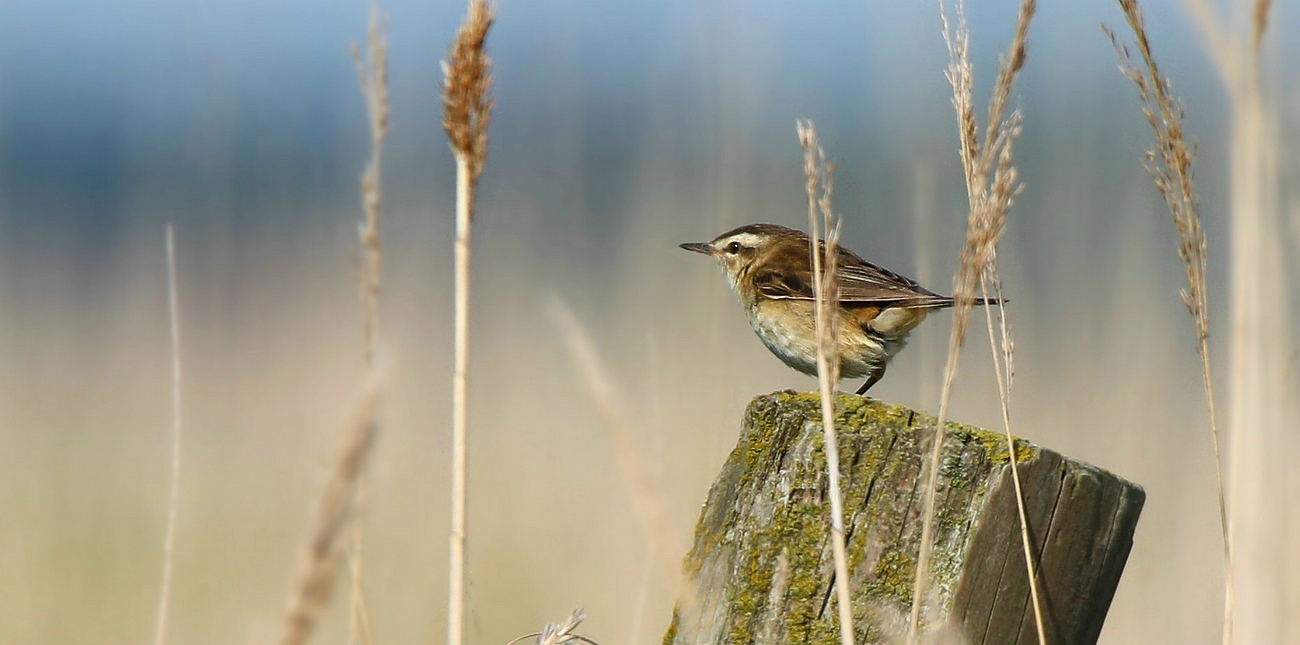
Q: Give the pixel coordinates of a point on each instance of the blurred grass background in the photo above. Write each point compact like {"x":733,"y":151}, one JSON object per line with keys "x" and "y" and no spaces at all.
{"x":620,"y":131}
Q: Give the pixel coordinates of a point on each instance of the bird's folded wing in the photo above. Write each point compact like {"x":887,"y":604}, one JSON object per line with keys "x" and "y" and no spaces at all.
{"x":859,"y":281}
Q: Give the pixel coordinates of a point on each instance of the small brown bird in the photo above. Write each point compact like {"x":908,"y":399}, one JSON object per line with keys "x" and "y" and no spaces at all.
{"x":770,"y":267}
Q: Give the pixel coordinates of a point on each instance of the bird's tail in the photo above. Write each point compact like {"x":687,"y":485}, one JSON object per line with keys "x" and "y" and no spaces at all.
{"x":940,"y":303}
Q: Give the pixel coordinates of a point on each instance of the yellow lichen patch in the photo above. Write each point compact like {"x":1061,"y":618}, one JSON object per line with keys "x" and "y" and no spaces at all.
{"x":893,"y":576}
{"x":671,"y":634}
{"x":996,"y":445}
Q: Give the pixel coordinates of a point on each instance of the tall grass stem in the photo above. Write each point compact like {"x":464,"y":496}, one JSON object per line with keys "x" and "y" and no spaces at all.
{"x":1003,"y":370}
{"x":466,"y":111}
{"x":992,"y":185}
{"x":335,"y":511}
{"x":1169,"y":162}
{"x":459,"y":414}
{"x":173,"y":498}
{"x":372,"y":76}
{"x":643,"y":487}
{"x":819,"y":182}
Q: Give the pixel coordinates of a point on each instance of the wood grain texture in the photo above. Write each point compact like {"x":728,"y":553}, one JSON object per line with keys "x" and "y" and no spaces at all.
{"x":761,"y":567}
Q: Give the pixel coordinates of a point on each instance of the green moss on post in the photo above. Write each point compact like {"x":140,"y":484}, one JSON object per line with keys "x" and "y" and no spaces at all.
{"x":761,"y":566}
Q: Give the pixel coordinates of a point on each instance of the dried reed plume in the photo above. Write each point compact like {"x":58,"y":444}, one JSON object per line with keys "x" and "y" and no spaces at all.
{"x":372,"y":76}
{"x":335,"y":509}
{"x":343,"y":494}
{"x":559,"y":633}
{"x":466,"y":103}
{"x":1169,"y":162}
{"x":467,"y":109}
{"x":1261,"y":407}
{"x":819,"y":182}
{"x":992,"y":185}
{"x":643,"y":487}
{"x":173,"y":498}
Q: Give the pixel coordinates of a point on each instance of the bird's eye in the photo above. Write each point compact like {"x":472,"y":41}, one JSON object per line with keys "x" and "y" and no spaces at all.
{"x":734,"y":247}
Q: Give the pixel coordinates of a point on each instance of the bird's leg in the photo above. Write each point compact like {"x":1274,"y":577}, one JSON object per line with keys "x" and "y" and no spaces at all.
{"x":871,"y":380}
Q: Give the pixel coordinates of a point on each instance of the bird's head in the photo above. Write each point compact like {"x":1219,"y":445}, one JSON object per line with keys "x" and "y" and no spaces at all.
{"x":738,"y":250}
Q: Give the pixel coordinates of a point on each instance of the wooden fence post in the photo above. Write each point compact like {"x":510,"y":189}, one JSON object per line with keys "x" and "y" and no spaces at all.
{"x":760,"y":570}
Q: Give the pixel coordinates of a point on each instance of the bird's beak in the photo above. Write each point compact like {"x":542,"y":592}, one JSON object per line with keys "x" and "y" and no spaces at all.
{"x":698,"y":247}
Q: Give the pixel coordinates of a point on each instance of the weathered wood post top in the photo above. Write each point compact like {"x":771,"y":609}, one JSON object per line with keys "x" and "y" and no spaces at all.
{"x":760,"y":570}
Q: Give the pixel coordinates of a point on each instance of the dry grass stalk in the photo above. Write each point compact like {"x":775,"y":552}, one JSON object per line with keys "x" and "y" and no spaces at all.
{"x":1169,"y":162}
{"x":1261,"y":408}
{"x":173,"y":498}
{"x":360,"y":629}
{"x":372,"y":76}
{"x":637,"y":621}
{"x":1004,"y":371}
{"x":335,"y":509}
{"x":992,"y":185}
{"x":642,"y":486}
{"x":1239,"y":73}
{"x":1259,"y":24}
{"x":559,"y":633}
{"x":467,"y":108}
{"x":819,"y":182}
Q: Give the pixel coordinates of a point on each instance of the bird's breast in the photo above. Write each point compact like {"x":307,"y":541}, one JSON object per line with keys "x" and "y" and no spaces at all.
{"x":787,"y":330}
